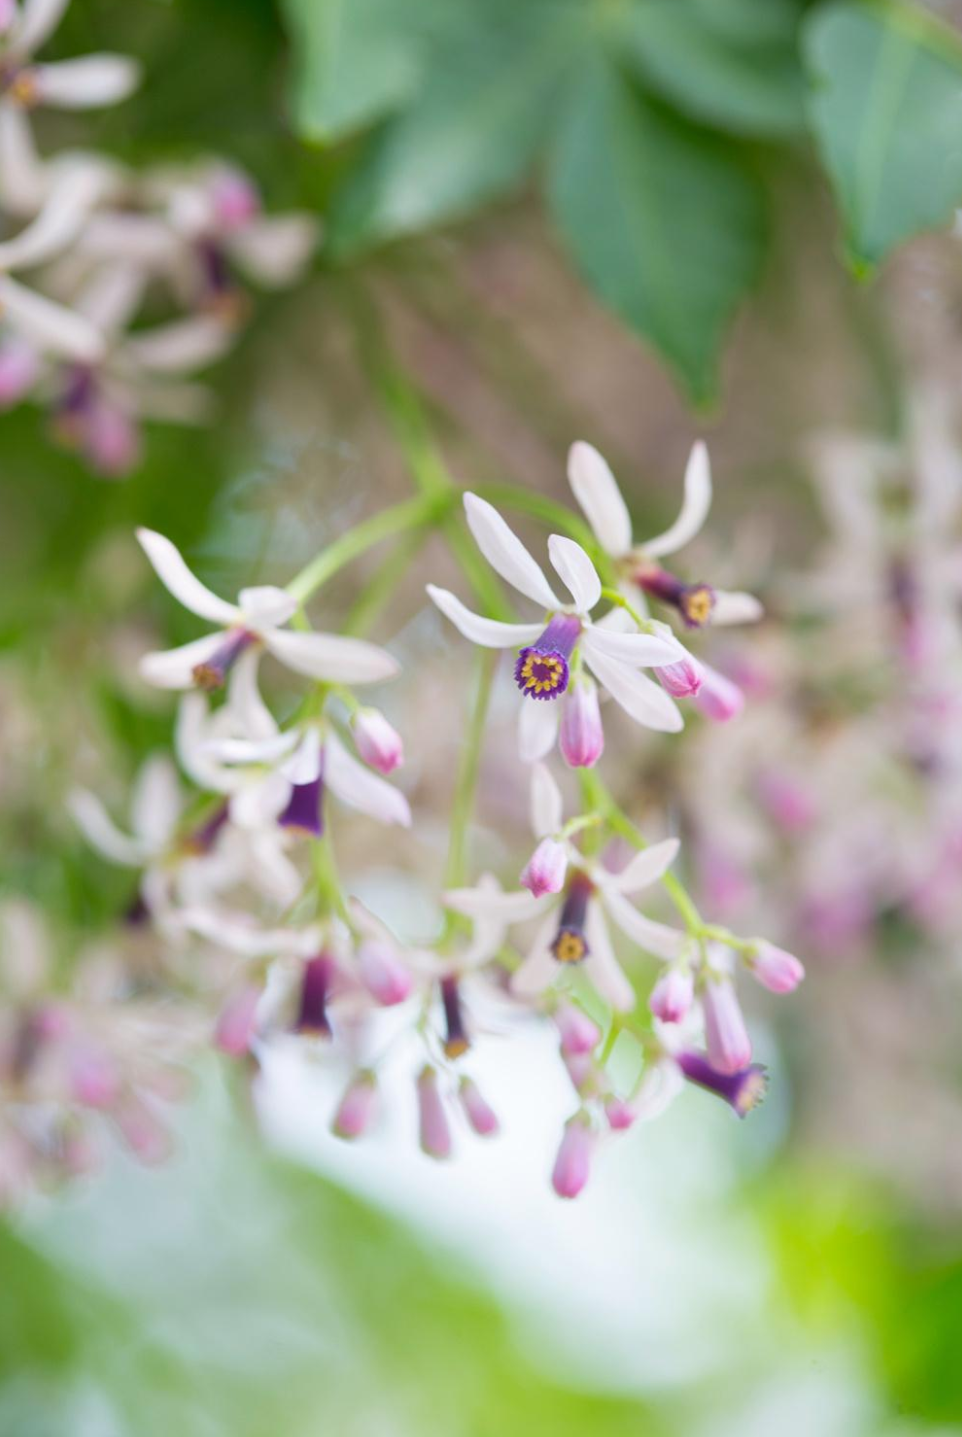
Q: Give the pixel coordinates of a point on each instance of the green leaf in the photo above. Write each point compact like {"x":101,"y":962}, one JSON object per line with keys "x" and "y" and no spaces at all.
{"x":484,"y":108}
{"x":732,"y":63}
{"x":355,"y":60}
{"x":886,"y":108}
{"x":662,"y":219}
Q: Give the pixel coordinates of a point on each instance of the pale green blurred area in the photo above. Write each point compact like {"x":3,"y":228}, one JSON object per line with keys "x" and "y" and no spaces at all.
{"x":235,"y":1292}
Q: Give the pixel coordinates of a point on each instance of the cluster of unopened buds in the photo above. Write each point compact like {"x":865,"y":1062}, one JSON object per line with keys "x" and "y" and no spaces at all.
{"x":246,"y":867}
{"x":101,"y":243}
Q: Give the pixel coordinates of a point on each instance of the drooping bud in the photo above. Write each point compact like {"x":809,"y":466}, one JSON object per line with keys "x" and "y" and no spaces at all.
{"x":382,"y":972}
{"x":456,"y":1039}
{"x":237,"y":1022}
{"x":718,"y":698}
{"x":234,"y":198}
{"x":357,"y":1106}
{"x":744,"y":1089}
{"x":776,"y":969}
{"x":94,"y":1079}
{"x":729,"y":1046}
{"x":582,"y":736}
{"x":578,"y":1033}
{"x":541,"y":670}
{"x":620,"y":1114}
{"x":694,"y":602}
{"x":682,"y":680}
{"x":572,"y":1166}
{"x":546,"y":868}
{"x":378,"y":743}
{"x":435,"y":1134}
{"x":312,"y":1015}
{"x":212,"y":672}
{"x":479,"y":1113}
{"x":582,"y":1072}
{"x":672,"y":996}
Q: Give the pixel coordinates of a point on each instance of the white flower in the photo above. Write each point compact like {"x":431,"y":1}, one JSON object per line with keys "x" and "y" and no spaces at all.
{"x":155,"y":810}
{"x":80,"y":84}
{"x":596,"y":490}
{"x":550,"y":654}
{"x":258,"y":618}
{"x":574,"y":921}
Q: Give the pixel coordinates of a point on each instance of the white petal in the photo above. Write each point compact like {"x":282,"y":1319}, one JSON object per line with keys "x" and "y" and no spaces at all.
{"x":639,"y":696}
{"x":192,"y":742}
{"x":305,"y":763}
{"x":505,"y":552}
{"x":275,"y":250}
{"x":331,"y":656}
{"x":541,"y":968}
{"x":636,"y":650}
{"x":49,"y":326}
{"x":602,"y":966}
{"x":273,"y":872}
{"x":22,"y":177}
{"x":67,"y":206}
{"x":112,"y":297}
{"x":181,"y":346}
{"x":251,"y":715}
{"x":237,"y":933}
{"x":576,"y":571}
{"x":489,"y":902}
{"x":174,"y":668}
{"x":694,"y":509}
{"x":247,"y":750}
{"x":656,"y":938}
{"x":489,"y":633}
{"x":155,"y":802}
{"x":259,"y":802}
{"x":100,"y":830}
{"x":266,"y":606}
{"x":359,"y":788}
{"x":735,"y":608}
{"x":660,"y":1085}
{"x":546,"y":802}
{"x":596,"y":490}
{"x":38,"y":20}
{"x":86,"y":83}
{"x":139,"y":239}
{"x":174,"y":574}
{"x":537,"y":728}
{"x":644,"y":869}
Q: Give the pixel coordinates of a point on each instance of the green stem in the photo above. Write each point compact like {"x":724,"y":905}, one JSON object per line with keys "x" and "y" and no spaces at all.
{"x":409,"y":514}
{"x":327,"y":879}
{"x":372,"y":599}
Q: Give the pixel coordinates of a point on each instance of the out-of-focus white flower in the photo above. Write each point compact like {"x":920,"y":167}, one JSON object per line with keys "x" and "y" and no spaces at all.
{"x":551,"y":654}
{"x":257,"y":619}
{"x":83,"y":84}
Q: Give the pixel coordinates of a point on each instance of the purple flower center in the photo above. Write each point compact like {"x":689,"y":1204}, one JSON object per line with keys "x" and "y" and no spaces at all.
{"x":315,"y":990}
{"x":570,"y":944}
{"x":694,"y":602}
{"x":743,"y":1090}
{"x":456,"y":1034}
{"x":541,"y":670}
{"x":305,"y":808}
{"x":212,"y":672}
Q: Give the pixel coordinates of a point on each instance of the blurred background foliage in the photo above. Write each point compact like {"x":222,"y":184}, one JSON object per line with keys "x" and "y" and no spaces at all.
{"x":487,"y":172}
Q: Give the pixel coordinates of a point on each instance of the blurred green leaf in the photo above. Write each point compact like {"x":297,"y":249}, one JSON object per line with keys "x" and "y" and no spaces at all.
{"x":733,"y":63}
{"x":886,"y":109}
{"x":663,"y":220}
{"x":485,"y":105}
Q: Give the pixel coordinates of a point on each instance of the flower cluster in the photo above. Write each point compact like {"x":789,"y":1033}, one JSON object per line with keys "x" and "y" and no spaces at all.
{"x":241,"y":881}
{"x":100,"y":243}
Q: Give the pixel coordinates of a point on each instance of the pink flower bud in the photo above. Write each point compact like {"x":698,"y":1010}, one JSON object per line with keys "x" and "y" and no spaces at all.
{"x":111,"y":440}
{"x":145,"y":1135}
{"x":682,"y":680}
{"x":546,"y":868}
{"x":481,"y":1116}
{"x":582,"y":1072}
{"x":435,"y":1134}
{"x":579,"y":1034}
{"x":378,"y":743}
{"x":356,"y":1108}
{"x":788,"y":801}
{"x":383,"y":973}
{"x":671,"y":997}
{"x":620,"y":1114}
{"x":718,"y":698}
{"x":19,"y":364}
{"x":94,"y":1080}
{"x":729,"y":1046}
{"x":234,"y":197}
{"x":582,"y":738}
{"x":237,"y":1022}
{"x":572,"y":1166}
{"x":776,"y":969}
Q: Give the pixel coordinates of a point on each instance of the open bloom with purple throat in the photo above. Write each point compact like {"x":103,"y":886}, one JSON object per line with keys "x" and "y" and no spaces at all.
{"x":256,"y":620}
{"x":552,"y":653}
{"x":596,"y":490}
